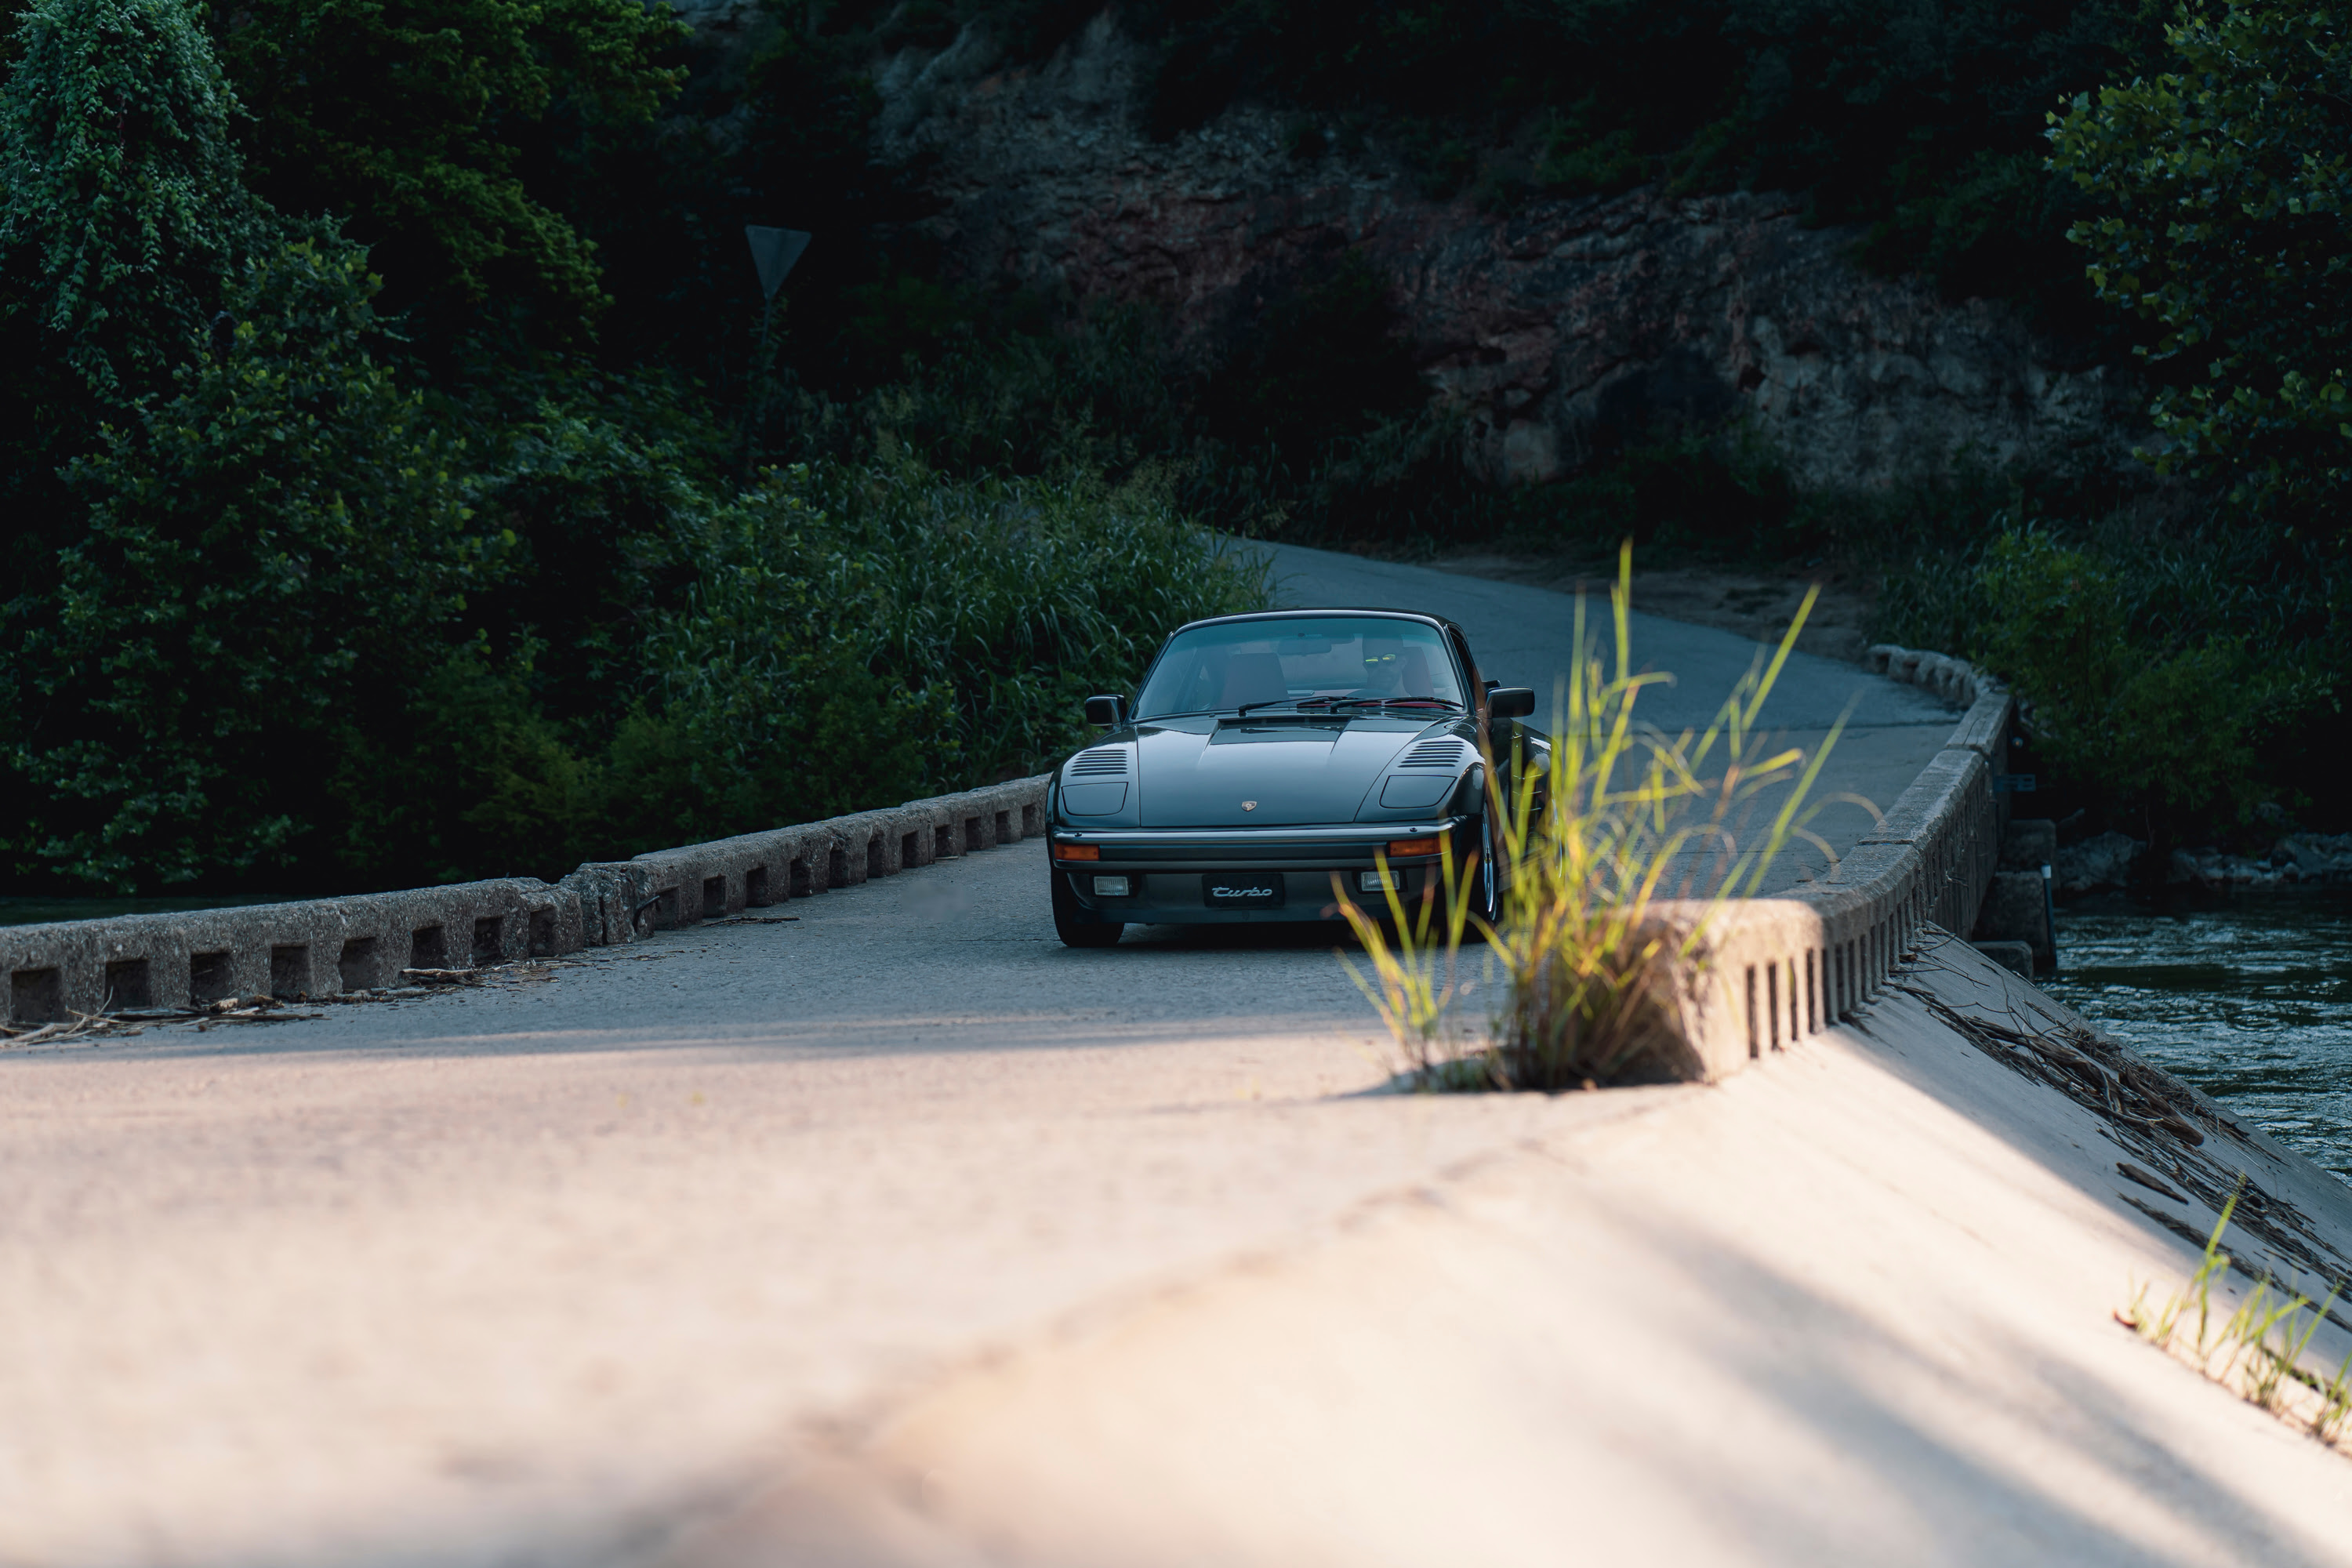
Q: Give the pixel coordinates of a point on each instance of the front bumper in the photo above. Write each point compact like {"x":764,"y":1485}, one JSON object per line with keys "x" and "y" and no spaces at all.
{"x":1165,"y":868}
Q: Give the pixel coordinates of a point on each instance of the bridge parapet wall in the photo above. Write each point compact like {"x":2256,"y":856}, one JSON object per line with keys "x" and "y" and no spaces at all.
{"x":1794,"y":965}
{"x":319,"y":947}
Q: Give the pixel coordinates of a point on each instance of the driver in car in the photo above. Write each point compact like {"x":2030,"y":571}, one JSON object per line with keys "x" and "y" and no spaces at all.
{"x":1392,"y":669}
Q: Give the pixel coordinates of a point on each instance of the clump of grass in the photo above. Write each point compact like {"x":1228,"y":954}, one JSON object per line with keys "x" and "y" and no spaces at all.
{"x":2259,"y":1348}
{"x":1415,"y":959}
{"x":1623,"y":844}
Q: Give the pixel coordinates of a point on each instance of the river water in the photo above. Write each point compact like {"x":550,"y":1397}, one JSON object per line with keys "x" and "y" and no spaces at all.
{"x":2250,"y":1000}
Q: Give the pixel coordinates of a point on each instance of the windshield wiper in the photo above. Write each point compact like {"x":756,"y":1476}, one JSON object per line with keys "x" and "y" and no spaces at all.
{"x":1303,"y":703}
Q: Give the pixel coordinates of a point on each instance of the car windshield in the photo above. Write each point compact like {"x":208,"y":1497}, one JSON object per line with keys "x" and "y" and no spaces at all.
{"x":1318,"y":661}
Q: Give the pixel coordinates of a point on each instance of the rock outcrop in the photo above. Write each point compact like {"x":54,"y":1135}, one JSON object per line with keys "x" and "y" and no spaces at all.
{"x":1559,"y":328}
{"x":2101,"y":862}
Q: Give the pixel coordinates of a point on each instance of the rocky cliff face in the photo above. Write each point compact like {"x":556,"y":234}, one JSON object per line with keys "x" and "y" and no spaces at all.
{"x":1559,"y":328}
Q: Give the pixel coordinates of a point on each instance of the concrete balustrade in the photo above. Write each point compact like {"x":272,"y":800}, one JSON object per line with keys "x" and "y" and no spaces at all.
{"x":310,"y":948}
{"x":1780,"y":968}
{"x":705,"y":881}
{"x":327,"y":946}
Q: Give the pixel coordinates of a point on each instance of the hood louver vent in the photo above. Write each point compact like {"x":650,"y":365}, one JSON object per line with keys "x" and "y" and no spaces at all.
{"x":1434,"y":755}
{"x":1103,"y":762}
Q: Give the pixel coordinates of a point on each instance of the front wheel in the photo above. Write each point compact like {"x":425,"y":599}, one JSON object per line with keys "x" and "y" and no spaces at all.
{"x":1076,"y":925}
{"x":1487,"y":890}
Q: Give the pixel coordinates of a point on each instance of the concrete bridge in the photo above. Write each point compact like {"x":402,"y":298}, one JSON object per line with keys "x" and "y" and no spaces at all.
{"x":877,"y":1228}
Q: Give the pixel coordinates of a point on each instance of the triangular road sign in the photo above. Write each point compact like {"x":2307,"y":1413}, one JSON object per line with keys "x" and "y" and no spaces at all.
{"x":773,"y":251}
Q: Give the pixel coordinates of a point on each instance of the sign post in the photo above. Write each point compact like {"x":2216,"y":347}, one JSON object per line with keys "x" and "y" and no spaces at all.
{"x":774,"y":252}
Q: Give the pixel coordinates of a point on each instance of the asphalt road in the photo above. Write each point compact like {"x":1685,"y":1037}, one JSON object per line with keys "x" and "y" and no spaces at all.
{"x":1526,"y":637}
{"x":524,"y":1274}
{"x":540,"y":1273}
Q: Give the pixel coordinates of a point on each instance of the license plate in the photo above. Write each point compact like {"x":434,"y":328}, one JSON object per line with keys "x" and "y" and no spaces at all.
{"x":1251,"y":889}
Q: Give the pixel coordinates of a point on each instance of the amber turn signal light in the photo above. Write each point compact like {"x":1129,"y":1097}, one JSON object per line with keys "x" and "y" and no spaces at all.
{"x":1412,"y":846}
{"x":1089,"y":851}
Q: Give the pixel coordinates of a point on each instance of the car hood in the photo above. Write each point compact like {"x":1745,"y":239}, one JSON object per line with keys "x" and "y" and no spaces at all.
{"x":1201,"y":771}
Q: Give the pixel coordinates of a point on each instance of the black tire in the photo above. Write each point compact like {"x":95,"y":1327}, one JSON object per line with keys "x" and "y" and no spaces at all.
{"x":1487,"y":891}
{"x":1076,"y":924}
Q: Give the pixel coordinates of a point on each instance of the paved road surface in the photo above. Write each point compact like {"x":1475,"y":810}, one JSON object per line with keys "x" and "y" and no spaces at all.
{"x":515,"y":1276}
{"x":1526,"y":637}
{"x":529,"y":1275}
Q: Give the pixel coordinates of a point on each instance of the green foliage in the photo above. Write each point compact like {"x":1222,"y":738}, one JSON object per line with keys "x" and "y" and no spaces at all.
{"x":1716,"y":493}
{"x":2174,"y":725}
{"x":1017,"y":393}
{"x":120,"y":215}
{"x":456,"y":773}
{"x":267,"y":553}
{"x":411,"y":120}
{"x":123,"y":207}
{"x":770,"y":708}
{"x":845,"y":636}
{"x":972,"y":619}
{"x":2220,"y":190}
{"x":279,"y":692}
{"x":2171,"y":674}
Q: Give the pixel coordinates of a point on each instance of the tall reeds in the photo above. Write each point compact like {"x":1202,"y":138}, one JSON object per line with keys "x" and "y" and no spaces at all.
{"x":1618,"y":846}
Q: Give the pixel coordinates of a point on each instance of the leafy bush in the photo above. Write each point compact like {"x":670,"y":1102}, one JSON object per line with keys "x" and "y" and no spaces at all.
{"x":2173,"y":724}
{"x":124,"y":206}
{"x":266,"y":557}
{"x":882,"y":633}
{"x":410,"y":123}
{"x":2221,"y":192}
{"x":1016,"y":391}
{"x":2176,"y":675}
{"x":282,"y":695}
{"x":122,"y":214}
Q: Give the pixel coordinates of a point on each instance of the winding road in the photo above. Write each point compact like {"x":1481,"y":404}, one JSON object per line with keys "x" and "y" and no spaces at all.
{"x":1526,"y":637}
{"x":583,"y":1267}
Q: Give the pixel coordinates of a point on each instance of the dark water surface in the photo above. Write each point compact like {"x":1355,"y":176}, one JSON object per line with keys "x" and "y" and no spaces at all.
{"x":2250,"y":1000}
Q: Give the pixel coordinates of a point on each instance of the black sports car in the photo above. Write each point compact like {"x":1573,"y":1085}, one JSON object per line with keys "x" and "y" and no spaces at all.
{"x":1269,"y":754}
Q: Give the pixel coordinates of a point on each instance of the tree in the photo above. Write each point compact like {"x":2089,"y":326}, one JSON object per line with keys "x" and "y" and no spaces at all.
{"x":2222,"y":188}
{"x":121,"y":211}
{"x":406,"y":119}
{"x":270,"y":561}
{"x":232,"y":534}
{"x":124,"y":207}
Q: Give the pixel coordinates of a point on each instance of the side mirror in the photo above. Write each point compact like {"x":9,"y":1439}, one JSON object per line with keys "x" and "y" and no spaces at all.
{"x":1510,"y":703}
{"x":1106,"y":712}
